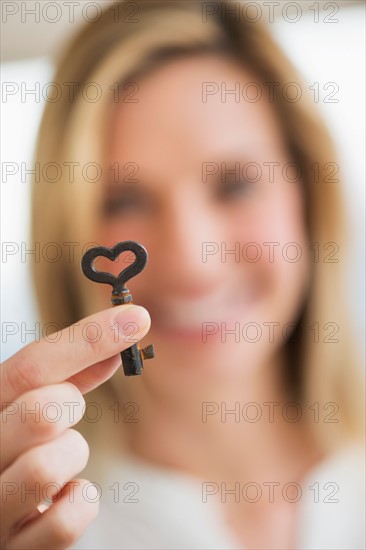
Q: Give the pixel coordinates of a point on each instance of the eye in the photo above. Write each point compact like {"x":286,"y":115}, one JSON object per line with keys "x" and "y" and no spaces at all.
{"x":124,"y":203}
{"x":233,"y":189}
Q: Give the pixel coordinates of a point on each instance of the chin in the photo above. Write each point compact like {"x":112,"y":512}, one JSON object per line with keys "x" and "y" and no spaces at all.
{"x":185,"y":359}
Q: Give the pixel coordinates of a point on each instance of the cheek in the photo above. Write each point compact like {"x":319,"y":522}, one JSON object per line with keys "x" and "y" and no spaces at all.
{"x":275,"y":210}
{"x":275,"y":247}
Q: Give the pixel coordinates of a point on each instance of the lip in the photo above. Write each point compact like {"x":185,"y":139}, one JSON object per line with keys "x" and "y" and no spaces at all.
{"x":179,"y":334}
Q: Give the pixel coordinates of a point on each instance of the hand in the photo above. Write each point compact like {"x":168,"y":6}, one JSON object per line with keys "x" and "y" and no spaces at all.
{"x":40,"y":456}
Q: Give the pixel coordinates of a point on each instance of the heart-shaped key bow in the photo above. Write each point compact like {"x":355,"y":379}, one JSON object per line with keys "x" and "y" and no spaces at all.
{"x":132,"y":358}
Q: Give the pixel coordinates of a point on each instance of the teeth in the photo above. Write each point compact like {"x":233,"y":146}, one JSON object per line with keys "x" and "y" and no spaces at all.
{"x":187,"y":318}
{"x":191,"y":314}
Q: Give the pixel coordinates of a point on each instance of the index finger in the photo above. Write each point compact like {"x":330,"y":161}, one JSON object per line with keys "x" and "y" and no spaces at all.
{"x":72,"y":349}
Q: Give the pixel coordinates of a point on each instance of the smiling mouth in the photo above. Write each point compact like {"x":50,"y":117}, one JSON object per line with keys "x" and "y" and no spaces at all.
{"x":186,"y":318}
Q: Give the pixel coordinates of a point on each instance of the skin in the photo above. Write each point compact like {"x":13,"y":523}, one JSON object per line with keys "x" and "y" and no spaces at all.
{"x":169,"y":133}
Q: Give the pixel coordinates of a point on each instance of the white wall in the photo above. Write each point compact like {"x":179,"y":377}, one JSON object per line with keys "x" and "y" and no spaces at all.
{"x":323,"y":52}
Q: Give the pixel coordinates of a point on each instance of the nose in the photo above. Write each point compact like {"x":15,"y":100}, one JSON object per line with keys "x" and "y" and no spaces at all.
{"x":188,"y":222}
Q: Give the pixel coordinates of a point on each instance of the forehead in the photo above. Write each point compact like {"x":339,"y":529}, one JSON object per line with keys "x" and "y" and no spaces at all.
{"x":184,"y":111}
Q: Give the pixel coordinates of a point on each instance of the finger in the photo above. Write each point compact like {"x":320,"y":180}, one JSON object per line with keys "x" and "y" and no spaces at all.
{"x":63,"y":523}
{"x":40,"y":473}
{"x":91,"y":377}
{"x":73,"y":349}
{"x":37,"y":417}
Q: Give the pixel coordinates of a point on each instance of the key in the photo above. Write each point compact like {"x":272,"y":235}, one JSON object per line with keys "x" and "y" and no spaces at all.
{"x":132,"y":358}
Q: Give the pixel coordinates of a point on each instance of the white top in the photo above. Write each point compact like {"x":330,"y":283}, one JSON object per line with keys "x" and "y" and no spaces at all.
{"x":145,"y":507}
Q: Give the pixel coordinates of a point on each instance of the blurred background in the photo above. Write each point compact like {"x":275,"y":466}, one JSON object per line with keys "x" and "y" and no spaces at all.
{"x":325,"y":40}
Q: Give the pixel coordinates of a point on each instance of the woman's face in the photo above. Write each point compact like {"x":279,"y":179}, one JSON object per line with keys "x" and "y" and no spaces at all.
{"x":204,"y":184}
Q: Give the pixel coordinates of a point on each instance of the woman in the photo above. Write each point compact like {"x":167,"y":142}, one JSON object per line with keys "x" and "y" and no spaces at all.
{"x":179,"y":131}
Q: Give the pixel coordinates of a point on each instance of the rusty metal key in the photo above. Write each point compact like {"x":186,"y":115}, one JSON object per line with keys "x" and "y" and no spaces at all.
{"x":132,"y":358}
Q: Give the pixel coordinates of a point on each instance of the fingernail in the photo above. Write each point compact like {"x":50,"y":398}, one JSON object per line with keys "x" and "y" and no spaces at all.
{"x":133,"y":321}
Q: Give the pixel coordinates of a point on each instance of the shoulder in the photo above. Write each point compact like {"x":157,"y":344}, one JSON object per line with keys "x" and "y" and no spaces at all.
{"x":332,"y":510}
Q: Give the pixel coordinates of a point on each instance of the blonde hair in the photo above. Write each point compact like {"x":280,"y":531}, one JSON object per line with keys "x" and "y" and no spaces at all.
{"x":114,"y":50}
